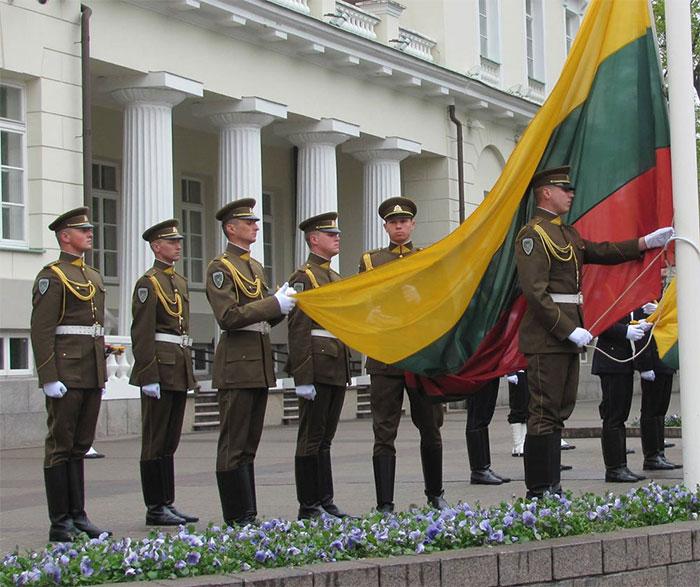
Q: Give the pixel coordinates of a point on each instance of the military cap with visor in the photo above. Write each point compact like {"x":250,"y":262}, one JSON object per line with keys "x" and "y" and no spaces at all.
{"x":326,"y":222}
{"x":397,"y":207}
{"x":76,"y":218}
{"x":166,"y":230}
{"x":557,"y":176}
{"x":238,"y":209}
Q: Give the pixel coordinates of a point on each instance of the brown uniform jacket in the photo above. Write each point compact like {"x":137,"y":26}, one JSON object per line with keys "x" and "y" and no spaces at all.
{"x":546,"y":324}
{"x":314,"y":359}
{"x":243,"y":358}
{"x":76,"y":360}
{"x":156,"y":361}
{"x":369,"y":261}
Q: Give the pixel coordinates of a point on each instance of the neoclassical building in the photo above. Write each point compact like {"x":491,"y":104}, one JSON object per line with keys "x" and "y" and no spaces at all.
{"x":151,"y":109}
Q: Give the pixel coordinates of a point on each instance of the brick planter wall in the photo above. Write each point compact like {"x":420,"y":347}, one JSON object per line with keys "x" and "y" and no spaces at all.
{"x":649,"y":557}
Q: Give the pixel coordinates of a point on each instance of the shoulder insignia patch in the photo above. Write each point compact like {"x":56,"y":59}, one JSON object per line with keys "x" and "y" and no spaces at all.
{"x":528,"y":245}
{"x":218,"y":278}
{"x":43,"y":285}
{"x":142,"y":294}
{"x":298,"y":287}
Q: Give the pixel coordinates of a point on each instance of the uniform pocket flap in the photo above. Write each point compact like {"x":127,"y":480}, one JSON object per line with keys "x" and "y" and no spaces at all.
{"x":325,"y":346}
{"x":166,"y":358}
{"x":236,"y":353}
{"x":72,"y":352}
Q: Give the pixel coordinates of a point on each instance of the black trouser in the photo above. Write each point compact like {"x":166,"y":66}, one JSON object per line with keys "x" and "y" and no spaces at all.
{"x":241,"y":417}
{"x":71,"y":424}
{"x":386,"y":400}
{"x":161,"y":424}
{"x":481,"y":405}
{"x":518,"y":399}
{"x":616,"y":399}
{"x":656,"y":396}
{"x":318,"y":419}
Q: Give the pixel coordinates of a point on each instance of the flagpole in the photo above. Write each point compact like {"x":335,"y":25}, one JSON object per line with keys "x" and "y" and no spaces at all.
{"x":687,"y":223}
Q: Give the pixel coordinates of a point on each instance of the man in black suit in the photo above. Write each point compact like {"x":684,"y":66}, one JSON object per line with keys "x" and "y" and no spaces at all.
{"x":616,"y":381}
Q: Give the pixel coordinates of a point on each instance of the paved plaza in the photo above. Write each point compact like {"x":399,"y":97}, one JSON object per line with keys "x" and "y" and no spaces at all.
{"x":114,"y":498}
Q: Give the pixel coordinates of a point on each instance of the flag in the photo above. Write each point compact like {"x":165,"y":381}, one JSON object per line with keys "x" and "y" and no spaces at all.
{"x":449,"y":314}
{"x":665,"y":321}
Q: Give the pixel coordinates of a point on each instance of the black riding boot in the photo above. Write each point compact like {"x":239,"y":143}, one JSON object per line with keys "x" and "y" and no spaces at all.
{"x":157,"y":513}
{"x":236,"y":496}
{"x":539,"y":462}
{"x":168,"y":475}
{"x":325,"y":485}
{"x":653,"y":445}
{"x":306,"y":474}
{"x":56,"y":481}
{"x":384,"y":474}
{"x":613,"y":442}
{"x":431,"y":459}
{"x":76,"y":484}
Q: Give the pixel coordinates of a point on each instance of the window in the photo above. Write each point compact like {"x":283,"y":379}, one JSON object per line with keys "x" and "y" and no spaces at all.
{"x":534,"y":38}
{"x":572,"y":23}
{"x":268,"y":244}
{"x":488,"y":29}
{"x":193,"y":229}
{"x":13,"y":132}
{"x":15,"y":358}
{"x":104,"y":217}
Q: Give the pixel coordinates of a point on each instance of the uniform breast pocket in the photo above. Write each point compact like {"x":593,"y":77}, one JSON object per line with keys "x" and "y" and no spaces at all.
{"x":70,"y":362}
{"x":243,"y":363}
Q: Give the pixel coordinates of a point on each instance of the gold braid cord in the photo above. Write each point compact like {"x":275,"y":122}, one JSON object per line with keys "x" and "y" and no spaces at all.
{"x":72,"y":285}
{"x":242,"y":282}
{"x":312,"y":278}
{"x":165,"y":300}
{"x":563,"y":254}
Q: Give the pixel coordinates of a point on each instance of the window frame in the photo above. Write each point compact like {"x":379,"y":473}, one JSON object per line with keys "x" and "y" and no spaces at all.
{"x":5,"y":370}
{"x":18,"y":127}
{"x":186,"y":207}
{"x":535,"y":21}
{"x":268,"y":235}
{"x":116,"y":196}
{"x":493,"y":29}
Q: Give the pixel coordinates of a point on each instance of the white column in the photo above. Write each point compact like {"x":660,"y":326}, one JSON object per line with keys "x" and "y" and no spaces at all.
{"x":685,"y":203}
{"x":382,"y":179}
{"x":240,"y":150}
{"x":147,"y":174}
{"x":317,"y":179}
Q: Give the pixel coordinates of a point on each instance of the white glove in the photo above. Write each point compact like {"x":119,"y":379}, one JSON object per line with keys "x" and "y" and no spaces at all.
{"x":635,"y":332}
{"x":103,"y":391}
{"x":646,"y":326}
{"x":152,"y":390}
{"x":55,"y":389}
{"x":285,"y":298}
{"x":307,"y":391}
{"x":649,"y":308}
{"x":659,"y":237}
{"x":512,"y":378}
{"x":580,"y":336}
{"x":647,"y":375}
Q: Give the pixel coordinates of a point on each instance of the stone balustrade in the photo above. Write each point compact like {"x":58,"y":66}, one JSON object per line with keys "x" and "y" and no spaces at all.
{"x":416,"y":44}
{"x":353,"y":19}
{"x":535,"y":90}
{"x":298,"y":5}
{"x":490,"y":71}
{"x":119,"y":367}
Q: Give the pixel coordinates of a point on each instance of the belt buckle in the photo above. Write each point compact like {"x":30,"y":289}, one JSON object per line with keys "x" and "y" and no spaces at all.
{"x":579,"y":298}
{"x":266,"y":328}
{"x":95,"y":330}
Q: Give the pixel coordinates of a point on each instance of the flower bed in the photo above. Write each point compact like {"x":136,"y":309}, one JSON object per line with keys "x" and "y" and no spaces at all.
{"x":281,"y":543}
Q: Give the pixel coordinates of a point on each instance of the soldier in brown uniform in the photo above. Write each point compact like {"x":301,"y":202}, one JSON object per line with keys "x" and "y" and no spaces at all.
{"x":243,"y":367}
{"x":319,"y":363}
{"x":549,"y":256}
{"x":387,"y":383}
{"x":68,"y":342}
{"x":162,"y":369}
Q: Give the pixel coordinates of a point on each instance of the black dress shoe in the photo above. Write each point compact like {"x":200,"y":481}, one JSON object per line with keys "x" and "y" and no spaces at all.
{"x":675,"y":466}
{"x":565,"y":467}
{"x":308,"y":512}
{"x":485,"y":477}
{"x":668,"y":444}
{"x":620,"y":475}
{"x":566,"y":446}
{"x":160,"y":515}
{"x":438,"y":502}
{"x":501,"y":477}
{"x":83,"y":524}
{"x":179,"y":514}
{"x":386,"y":508}
{"x":629,"y":451}
{"x":657,"y":463}
{"x":63,"y":532}
{"x":333,"y":510}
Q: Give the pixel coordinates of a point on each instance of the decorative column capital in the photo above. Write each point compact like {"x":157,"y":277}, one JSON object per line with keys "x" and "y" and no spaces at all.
{"x":327,"y":131}
{"x":250,"y":111}
{"x":158,"y":87}
{"x":389,"y":149}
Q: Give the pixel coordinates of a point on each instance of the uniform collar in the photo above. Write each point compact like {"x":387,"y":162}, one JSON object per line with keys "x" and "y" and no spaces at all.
{"x":315,"y":259}
{"x":72,"y":259}
{"x":164,"y":267}
{"x":547,"y":215}
{"x":238,"y":251}
{"x":401,"y":249}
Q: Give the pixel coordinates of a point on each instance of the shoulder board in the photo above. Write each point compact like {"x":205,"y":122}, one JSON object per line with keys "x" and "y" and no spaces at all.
{"x":56,"y":262}
{"x":151,"y":271}
{"x":525,"y":228}
{"x":91,"y":267}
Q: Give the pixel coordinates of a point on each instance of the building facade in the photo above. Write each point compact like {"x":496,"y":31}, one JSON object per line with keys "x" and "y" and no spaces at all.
{"x":306,"y":105}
